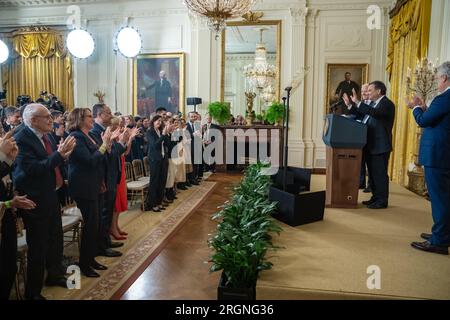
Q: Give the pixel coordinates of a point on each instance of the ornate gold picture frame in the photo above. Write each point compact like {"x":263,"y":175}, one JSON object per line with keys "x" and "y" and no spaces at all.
{"x":158,"y":81}
{"x":336,"y":74}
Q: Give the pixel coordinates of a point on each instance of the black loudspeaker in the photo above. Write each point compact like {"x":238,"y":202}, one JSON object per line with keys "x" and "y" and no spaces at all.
{"x":193,"y":101}
{"x":296,"y":205}
{"x":298,"y":209}
{"x":3,"y":95}
{"x":297,"y":179}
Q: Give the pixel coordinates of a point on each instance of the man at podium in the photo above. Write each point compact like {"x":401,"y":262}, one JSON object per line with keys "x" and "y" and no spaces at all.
{"x":379,"y":117}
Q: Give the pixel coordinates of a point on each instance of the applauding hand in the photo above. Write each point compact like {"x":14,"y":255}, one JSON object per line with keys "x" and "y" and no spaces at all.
{"x":416,"y":101}
{"x":21,"y":202}
{"x":7,"y":143}
{"x":65,"y":148}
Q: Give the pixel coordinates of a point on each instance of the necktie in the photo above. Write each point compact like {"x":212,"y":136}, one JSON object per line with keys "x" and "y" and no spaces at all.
{"x":48,"y":148}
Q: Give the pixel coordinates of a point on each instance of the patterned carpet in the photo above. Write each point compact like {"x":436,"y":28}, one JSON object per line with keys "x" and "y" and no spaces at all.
{"x":148,"y":232}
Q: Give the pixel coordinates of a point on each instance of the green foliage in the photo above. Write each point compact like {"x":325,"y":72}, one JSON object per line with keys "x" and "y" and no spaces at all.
{"x":275,"y":112}
{"x":259,"y":117}
{"x":243,"y":236}
{"x":219,"y":111}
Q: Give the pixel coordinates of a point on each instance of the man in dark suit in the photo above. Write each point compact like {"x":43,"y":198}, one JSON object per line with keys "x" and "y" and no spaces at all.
{"x":111,"y":171}
{"x":37,"y":174}
{"x":434,"y":155}
{"x":379,"y":117}
{"x":362,"y":177}
{"x":8,"y":205}
{"x":196,"y":148}
{"x":347,"y":86}
{"x":163,"y":91}
{"x":209,"y":131}
{"x":12,"y":118}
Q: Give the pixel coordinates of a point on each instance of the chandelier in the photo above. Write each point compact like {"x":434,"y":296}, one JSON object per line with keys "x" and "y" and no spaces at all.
{"x":218,"y":11}
{"x":260,"y":76}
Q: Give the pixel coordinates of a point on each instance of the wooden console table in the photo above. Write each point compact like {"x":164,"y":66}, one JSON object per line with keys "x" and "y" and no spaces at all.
{"x":259,"y":134}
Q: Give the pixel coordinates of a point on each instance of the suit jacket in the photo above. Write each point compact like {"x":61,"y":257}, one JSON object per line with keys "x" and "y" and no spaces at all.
{"x":85,"y":162}
{"x":6,"y":193}
{"x":155,"y":143}
{"x":111,"y":169}
{"x":435,"y":140}
{"x":34,"y":172}
{"x":379,"y":126}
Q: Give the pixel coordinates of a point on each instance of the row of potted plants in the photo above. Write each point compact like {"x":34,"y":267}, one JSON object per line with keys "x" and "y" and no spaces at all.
{"x":220,"y":112}
{"x":244,"y":235}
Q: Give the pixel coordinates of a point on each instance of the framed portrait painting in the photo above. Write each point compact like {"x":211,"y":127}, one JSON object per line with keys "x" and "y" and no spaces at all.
{"x":158,"y":82}
{"x":342,"y":78}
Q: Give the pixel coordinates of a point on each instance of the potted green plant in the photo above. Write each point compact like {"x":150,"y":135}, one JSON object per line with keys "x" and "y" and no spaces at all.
{"x":259,"y":119}
{"x":274,"y":114}
{"x":243,"y":236}
{"x":219,"y":111}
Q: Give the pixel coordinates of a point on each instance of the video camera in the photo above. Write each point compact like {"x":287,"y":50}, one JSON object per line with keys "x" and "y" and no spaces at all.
{"x":23,"y":100}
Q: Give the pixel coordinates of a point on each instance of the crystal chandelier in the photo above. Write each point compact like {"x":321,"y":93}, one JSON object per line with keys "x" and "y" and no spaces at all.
{"x":218,"y":11}
{"x":260,"y":75}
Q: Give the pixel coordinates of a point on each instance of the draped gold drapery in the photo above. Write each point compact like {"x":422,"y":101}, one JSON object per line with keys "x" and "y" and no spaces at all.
{"x":408,"y":42}
{"x":39,"y":61}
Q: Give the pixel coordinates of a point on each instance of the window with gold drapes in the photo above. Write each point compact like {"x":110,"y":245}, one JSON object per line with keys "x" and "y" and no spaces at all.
{"x":408,"y":42}
{"x":39,"y":61}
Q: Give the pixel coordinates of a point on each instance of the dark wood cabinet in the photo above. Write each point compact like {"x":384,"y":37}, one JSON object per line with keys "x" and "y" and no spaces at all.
{"x":243,"y":144}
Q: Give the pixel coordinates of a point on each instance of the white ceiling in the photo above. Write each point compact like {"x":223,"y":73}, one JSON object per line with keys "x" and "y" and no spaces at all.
{"x":243,"y":39}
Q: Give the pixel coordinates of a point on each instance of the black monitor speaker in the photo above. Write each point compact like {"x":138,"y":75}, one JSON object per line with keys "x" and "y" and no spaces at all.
{"x":193,"y":101}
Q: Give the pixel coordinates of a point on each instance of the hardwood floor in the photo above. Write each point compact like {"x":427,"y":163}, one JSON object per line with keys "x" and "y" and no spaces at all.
{"x":180,"y":270}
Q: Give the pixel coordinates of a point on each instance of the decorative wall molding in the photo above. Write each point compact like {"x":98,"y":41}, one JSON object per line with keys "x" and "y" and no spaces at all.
{"x":299,"y":15}
{"x":356,"y":37}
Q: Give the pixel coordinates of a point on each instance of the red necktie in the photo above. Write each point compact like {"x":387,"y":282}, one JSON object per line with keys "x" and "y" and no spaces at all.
{"x":48,"y":148}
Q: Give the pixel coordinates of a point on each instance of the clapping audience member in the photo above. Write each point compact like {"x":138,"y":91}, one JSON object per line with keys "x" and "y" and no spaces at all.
{"x":37,"y":173}
{"x":121,"y":203}
{"x":86,"y":184}
{"x":158,"y":139}
{"x":110,"y":171}
{"x":8,"y":219}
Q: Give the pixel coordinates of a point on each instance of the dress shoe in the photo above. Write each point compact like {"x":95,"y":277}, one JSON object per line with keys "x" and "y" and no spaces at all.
{"x":181,"y":187}
{"x":428,"y":247}
{"x":90,"y":273}
{"x":110,"y":253}
{"x":116,"y":244}
{"x":367,"y":190}
{"x":377,"y":205}
{"x":98,"y":266}
{"x":426,"y":236}
{"x":156,"y":209}
{"x":117,"y":237}
{"x":36,"y":297}
{"x":368,"y":202}
{"x":195,"y":183}
{"x":56,"y":282}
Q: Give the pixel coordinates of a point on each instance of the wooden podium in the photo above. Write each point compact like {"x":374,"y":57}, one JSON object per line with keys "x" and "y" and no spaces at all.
{"x":345,"y":139}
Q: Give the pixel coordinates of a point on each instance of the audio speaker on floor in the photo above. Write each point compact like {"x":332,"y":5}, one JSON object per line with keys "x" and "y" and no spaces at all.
{"x":296,"y":204}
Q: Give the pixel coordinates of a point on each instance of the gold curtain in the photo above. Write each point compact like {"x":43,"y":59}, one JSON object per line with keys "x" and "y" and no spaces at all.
{"x":408,"y":42}
{"x":39,"y":61}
